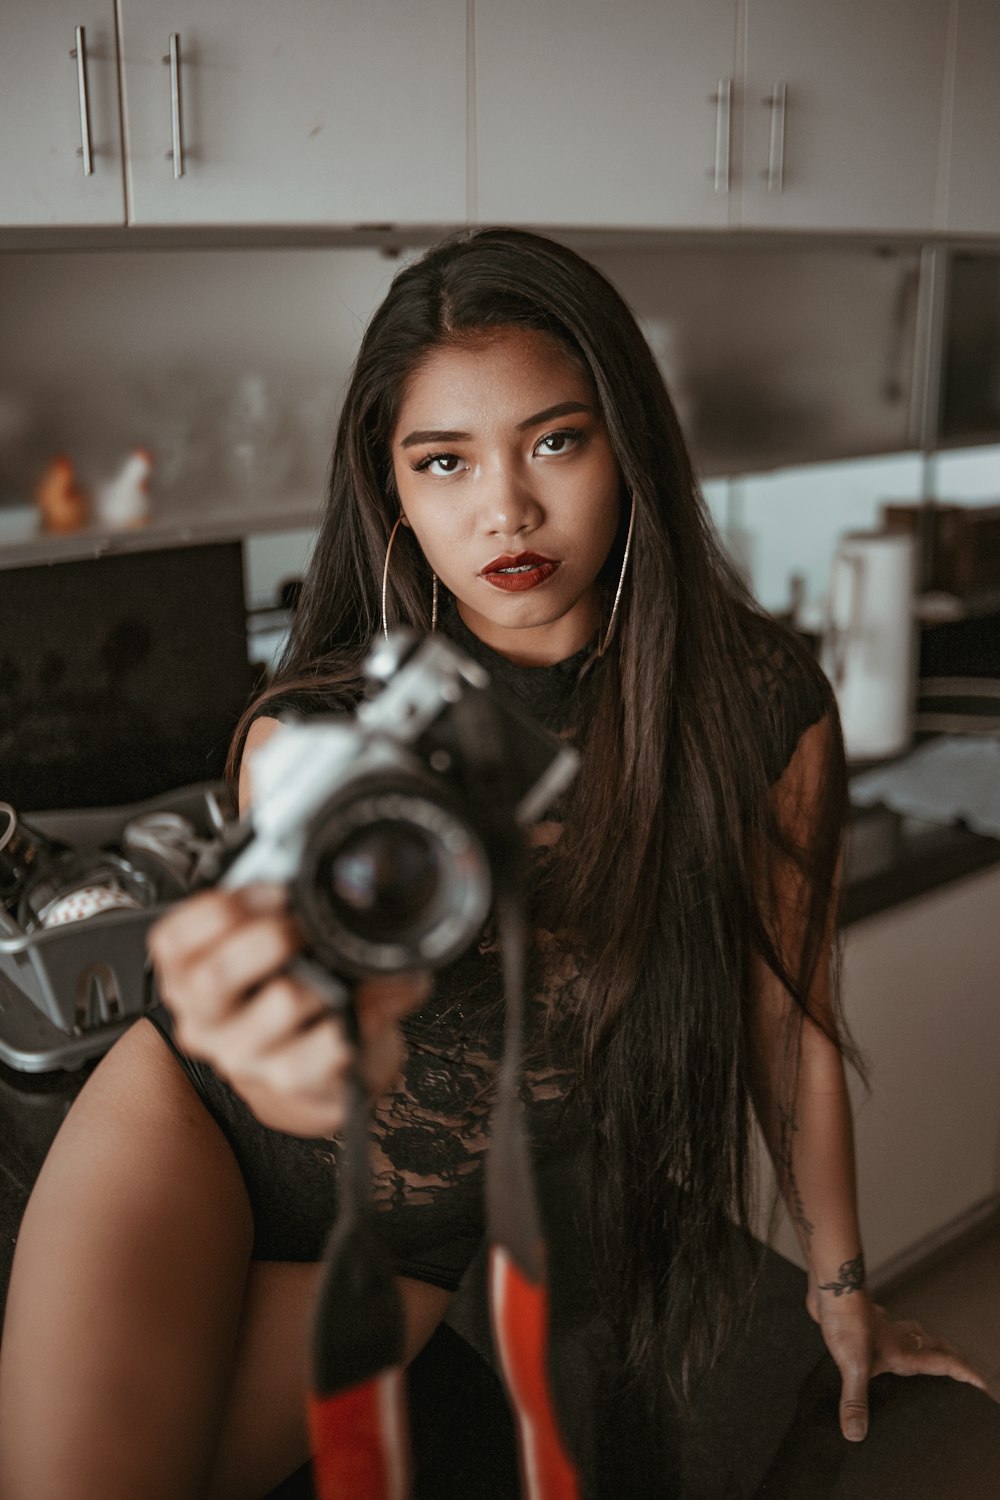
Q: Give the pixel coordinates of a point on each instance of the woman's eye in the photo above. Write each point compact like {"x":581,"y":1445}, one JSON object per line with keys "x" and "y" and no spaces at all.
{"x":559,"y":442}
{"x":439,"y":463}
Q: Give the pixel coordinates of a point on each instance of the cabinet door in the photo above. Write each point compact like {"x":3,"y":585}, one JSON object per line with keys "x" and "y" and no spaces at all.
{"x":307,"y":112}
{"x":590,"y":113}
{"x":862,"y":99}
{"x":920,"y":997}
{"x":973,"y":170}
{"x":44,"y":125}
{"x":920,"y":991}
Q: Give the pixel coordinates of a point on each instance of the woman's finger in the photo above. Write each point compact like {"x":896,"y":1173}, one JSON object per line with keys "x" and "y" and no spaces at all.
{"x":382,"y":999}
{"x":305,"y":1081}
{"x":854,"y":1401}
{"x":200,"y":920}
{"x":274,"y":1016}
{"x":915,"y":1352}
{"x":220,"y":979}
{"x":382,"y":1060}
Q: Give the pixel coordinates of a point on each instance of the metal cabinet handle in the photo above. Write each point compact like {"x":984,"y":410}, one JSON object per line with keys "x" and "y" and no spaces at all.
{"x":173,"y":61}
{"x":777,"y":103}
{"x":80,"y":53}
{"x":722,"y":99}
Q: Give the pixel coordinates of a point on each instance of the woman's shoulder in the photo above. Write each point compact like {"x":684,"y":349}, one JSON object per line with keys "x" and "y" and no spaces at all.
{"x":330,"y":684}
{"x":790,"y":686}
{"x":304,"y":700}
{"x":333,"y":685}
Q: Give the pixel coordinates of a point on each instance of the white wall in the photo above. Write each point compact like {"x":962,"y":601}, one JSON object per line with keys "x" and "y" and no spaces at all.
{"x":789,"y":521}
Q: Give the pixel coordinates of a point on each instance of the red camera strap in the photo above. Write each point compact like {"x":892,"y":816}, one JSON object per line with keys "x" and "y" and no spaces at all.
{"x":357,"y":1408}
{"x":520,"y":1314}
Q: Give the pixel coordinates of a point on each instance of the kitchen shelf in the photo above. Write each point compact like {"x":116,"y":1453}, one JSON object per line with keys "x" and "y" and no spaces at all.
{"x":221,"y":522}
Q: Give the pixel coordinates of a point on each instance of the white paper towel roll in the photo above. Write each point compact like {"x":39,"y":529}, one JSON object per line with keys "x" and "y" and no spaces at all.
{"x":869,"y":642}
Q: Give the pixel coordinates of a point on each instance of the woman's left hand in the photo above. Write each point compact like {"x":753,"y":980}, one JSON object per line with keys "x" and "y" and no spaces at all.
{"x":864,"y":1342}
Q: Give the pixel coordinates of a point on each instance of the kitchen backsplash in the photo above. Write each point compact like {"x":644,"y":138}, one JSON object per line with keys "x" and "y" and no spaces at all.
{"x":198,"y":355}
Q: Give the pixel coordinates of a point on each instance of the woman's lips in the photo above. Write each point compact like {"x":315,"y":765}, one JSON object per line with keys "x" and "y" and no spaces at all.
{"x":515,"y":574}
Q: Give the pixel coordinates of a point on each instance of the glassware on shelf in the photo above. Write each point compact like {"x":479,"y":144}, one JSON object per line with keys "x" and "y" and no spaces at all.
{"x":258,"y":442}
{"x":177,"y":419}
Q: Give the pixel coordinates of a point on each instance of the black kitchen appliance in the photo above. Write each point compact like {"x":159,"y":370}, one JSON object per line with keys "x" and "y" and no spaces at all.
{"x":121,"y":677}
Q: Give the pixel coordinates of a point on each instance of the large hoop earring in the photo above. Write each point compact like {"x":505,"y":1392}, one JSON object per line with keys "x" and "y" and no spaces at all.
{"x":385,"y":585}
{"x":621,"y":580}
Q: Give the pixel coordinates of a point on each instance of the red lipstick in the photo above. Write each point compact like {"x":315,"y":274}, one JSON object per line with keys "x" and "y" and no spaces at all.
{"x":514,"y":574}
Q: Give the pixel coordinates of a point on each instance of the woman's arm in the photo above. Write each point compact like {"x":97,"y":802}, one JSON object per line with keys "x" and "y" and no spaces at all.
{"x":802,"y":1102}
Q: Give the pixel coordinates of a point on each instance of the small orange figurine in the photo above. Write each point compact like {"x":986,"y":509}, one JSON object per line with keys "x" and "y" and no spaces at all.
{"x":60,"y":500}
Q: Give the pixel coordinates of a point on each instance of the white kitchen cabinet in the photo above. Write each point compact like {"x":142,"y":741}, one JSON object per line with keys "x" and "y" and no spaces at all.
{"x":328,"y":113}
{"x":921,"y":986}
{"x":843,"y":112}
{"x":44,"y":129}
{"x":597,"y":114}
{"x":922,"y":991}
{"x":973,"y":170}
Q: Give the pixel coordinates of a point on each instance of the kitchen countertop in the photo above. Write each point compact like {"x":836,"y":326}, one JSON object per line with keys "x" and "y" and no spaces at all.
{"x":890,"y":858}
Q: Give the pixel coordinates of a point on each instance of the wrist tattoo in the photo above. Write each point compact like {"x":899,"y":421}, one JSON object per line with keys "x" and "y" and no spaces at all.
{"x":850,"y":1278}
{"x":796,"y":1207}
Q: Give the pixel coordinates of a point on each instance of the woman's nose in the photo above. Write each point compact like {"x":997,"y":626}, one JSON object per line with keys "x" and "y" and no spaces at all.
{"x":509,"y":504}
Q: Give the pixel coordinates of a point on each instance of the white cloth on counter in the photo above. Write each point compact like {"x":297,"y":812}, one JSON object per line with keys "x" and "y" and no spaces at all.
{"x":951,"y":779}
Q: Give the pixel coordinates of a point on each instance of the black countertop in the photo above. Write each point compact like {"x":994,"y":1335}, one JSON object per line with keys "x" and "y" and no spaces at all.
{"x":890,"y":858}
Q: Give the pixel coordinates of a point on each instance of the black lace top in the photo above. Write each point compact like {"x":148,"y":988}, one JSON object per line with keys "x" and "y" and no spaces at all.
{"x":429,"y":1134}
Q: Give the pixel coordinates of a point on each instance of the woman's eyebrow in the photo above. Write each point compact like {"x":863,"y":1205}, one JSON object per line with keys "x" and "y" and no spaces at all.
{"x":563,"y":409}
{"x":433,"y":436}
{"x":438,"y":435}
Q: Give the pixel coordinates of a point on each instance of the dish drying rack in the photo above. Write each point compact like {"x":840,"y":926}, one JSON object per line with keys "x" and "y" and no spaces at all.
{"x":67,"y":993}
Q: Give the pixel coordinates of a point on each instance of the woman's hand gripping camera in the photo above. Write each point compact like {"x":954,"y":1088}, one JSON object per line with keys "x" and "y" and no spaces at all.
{"x":222,"y":960}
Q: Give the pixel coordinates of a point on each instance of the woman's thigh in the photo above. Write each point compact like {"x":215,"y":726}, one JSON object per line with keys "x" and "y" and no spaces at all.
{"x":265,"y":1432}
{"x":264,"y":1435}
{"x":126,"y":1294}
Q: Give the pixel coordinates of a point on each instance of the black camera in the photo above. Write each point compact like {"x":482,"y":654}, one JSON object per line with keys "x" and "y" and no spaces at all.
{"x":386,"y":824}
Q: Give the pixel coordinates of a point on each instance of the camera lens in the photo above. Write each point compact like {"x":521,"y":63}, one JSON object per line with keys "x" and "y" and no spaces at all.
{"x":391,"y":877}
{"x":385,"y":878}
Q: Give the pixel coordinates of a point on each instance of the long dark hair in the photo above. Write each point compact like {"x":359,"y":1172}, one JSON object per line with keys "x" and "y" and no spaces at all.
{"x":670,"y":833}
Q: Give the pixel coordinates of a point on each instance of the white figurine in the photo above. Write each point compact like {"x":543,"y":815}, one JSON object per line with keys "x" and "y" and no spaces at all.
{"x":123,"y":502}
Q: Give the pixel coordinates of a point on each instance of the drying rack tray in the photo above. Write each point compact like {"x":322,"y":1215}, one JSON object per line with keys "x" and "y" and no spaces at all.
{"x":66,"y":994}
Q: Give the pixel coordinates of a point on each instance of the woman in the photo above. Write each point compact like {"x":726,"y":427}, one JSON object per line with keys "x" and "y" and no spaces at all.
{"x":506,"y":412}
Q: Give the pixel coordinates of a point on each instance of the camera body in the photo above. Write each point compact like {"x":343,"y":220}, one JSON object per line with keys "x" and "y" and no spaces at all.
{"x":380,"y":822}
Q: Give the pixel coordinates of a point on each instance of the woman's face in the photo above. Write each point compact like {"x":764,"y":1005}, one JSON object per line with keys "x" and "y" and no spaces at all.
{"x":506,"y":474}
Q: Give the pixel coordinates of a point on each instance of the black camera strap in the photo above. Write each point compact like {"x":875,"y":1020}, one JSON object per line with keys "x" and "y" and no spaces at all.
{"x":518,"y":1289}
{"x":357,"y":1408}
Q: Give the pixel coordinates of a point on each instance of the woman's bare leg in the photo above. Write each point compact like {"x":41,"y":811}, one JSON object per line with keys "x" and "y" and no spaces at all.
{"x":126,"y":1293}
{"x":265,"y":1436}
{"x":141,"y":1354}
